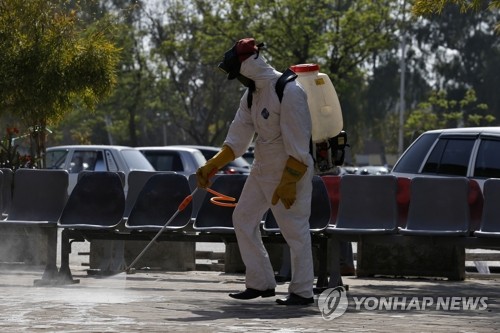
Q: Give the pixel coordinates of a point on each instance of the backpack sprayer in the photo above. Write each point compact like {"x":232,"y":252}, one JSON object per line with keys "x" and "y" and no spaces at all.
{"x":328,"y":140}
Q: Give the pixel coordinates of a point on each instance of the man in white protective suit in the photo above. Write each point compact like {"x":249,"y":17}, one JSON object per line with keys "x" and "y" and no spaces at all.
{"x":281,"y":175}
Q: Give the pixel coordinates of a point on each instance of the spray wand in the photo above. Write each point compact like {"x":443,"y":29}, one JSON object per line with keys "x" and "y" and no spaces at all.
{"x":219,"y":199}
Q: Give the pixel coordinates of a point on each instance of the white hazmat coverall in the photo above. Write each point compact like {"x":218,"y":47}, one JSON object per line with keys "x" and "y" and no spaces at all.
{"x":283,"y":130}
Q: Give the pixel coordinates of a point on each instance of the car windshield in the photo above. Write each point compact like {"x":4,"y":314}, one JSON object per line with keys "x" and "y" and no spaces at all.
{"x":136,"y":160}
{"x":163,"y":160}
{"x":55,"y":158}
{"x":412,"y":159}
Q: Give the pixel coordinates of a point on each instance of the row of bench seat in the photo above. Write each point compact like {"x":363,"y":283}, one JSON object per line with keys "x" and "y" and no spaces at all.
{"x":6,"y":181}
{"x":152,"y":199}
{"x":343,"y":208}
{"x":38,"y":198}
{"x":438,"y":207}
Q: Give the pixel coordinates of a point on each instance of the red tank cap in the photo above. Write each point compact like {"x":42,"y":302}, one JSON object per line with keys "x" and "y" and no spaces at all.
{"x":305,"y":68}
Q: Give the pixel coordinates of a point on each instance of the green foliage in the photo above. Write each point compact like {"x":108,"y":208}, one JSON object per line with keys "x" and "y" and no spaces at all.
{"x":441,"y":112}
{"x":47,"y":63}
{"x":339,"y":36}
{"x":425,"y":7}
{"x":465,"y":54}
{"x":429,"y":7}
{"x":150,"y":69}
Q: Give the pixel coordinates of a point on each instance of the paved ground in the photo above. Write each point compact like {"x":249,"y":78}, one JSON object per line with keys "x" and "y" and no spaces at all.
{"x":198,"y":302}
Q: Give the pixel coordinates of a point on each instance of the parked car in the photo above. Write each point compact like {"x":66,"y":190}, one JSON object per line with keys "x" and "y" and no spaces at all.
{"x":238,"y":166}
{"x":77,"y":158}
{"x":471,"y":152}
{"x":371,"y":170}
{"x":183,"y":160}
{"x":249,"y":154}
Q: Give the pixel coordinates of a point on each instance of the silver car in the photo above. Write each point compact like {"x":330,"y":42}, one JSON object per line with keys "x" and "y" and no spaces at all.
{"x":182,"y":160}
{"x":77,"y":158}
{"x":238,"y":166}
{"x":472,"y":152}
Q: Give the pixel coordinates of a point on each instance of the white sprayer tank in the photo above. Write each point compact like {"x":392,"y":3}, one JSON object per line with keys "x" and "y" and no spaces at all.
{"x":324,"y":105}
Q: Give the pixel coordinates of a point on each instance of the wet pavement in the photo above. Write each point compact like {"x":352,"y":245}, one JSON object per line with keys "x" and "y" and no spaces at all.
{"x":198,"y":301}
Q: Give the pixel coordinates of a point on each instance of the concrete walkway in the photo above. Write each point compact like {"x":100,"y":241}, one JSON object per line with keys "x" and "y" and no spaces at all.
{"x":198,"y":302}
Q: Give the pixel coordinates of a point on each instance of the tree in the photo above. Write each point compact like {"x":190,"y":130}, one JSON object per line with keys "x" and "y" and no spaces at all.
{"x":424,"y":7}
{"x":198,"y":102}
{"x":439,"y":111}
{"x":48,"y":62}
{"x":175,"y":94}
{"x":123,"y":111}
{"x":340,"y":36}
{"x":429,"y":7}
{"x":464,"y":52}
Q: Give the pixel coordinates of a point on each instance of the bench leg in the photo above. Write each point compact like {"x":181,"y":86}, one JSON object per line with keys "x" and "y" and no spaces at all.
{"x":330,"y":249}
{"x":322,"y":281}
{"x":65,"y":276}
{"x":335,"y":276}
{"x":50,"y":273}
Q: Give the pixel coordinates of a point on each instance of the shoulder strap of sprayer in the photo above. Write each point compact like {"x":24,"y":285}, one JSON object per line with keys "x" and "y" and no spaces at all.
{"x":287,"y":76}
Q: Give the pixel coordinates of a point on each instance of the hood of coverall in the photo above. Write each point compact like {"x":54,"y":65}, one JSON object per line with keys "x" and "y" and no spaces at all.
{"x":244,"y":62}
{"x":241,"y":50}
{"x":258,"y":70}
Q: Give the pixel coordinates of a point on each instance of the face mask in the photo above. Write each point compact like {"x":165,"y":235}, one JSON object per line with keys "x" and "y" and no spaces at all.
{"x":231,"y":63}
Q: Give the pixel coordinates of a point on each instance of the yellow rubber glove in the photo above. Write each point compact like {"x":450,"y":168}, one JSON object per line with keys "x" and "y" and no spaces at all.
{"x":287,"y":189}
{"x":204,"y":173}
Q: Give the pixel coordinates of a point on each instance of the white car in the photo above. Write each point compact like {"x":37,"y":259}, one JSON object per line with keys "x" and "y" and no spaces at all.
{"x":238,"y":166}
{"x":472,"y":152}
{"x":76,"y":158}
{"x":182,"y":160}
{"x":372,"y":170}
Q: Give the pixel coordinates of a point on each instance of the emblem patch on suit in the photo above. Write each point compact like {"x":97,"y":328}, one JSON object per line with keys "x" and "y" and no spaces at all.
{"x":264,"y":113}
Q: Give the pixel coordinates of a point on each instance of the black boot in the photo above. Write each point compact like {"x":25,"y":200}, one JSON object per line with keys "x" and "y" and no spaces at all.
{"x":294,"y":299}
{"x":250,"y":293}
